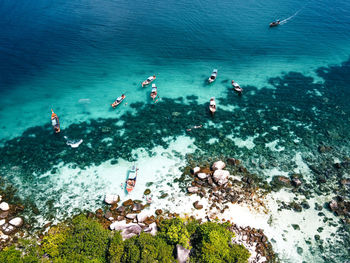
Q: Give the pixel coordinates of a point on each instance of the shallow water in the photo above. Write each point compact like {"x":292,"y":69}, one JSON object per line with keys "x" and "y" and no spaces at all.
{"x":78,"y":57}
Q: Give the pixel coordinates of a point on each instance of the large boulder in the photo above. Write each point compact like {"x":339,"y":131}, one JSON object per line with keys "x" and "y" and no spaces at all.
{"x":112,"y":199}
{"x":219,"y":165}
{"x":182,"y":254}
{"x":118,"y":225}
{"x":141,"y":217}
{"x":17,"y":221}
{"x":131,"y":216}
{"x":221,"y":176}
{"x":193,"y":189}
{"x":7,"y":229}
{"x":4,"y":206}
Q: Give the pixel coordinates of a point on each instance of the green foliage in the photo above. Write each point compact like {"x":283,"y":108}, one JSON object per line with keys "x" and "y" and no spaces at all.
{"x":191,"y":226}
{"x":212,"y":245}
{"x":174,"y":232}
{"x":84,"y":241}
{"x":131,"y":251}
{"x":54,"y":239}
{"x":10,"y":255}
{"x":238,"y":254}
{"x":116,"y":248}
{"x":147,"y":249}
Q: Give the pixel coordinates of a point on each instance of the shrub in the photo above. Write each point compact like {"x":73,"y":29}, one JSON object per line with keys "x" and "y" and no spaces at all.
{"x":174,"y":232}
{"x":131,"y":251}
{"x":84,"y":241}
{"x":116,"y":248}
{"x":211,"y":243}
{"x":10,"y":255}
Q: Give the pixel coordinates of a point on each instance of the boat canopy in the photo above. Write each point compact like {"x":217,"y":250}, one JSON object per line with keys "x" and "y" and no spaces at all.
{"x":54,"y":122}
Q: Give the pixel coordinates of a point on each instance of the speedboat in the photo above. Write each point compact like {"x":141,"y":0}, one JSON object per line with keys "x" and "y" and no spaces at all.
{"x":275,"y":23}
{"x":154,"y":91}
{"x":131,"y":181}
{"x":148,"y":80}
{"x":212,"y":106}
{"x":213,"y":76}
{"x":55,"y":122}
{"x":118,"y":101}
{"x":236,"y":87}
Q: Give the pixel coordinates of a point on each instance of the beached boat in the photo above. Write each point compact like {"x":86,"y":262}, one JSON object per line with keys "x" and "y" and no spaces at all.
{"x":118,"y":101}
{"x":154,"y":91}
{"x":212,"y":106}
{"x":131,"y":181}
{"x":275,"y":23}
{"x":236,"y":87}
{"x":55,"y":122}
{"x":148,"y":81}
{"x":213,"y":76}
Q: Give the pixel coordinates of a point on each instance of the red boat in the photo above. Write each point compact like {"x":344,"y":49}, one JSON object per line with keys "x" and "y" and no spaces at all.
{"x":118,"y":101}
{"x":154,"y":91}
{"x":130,"y":183}
{"x":55,"y":122}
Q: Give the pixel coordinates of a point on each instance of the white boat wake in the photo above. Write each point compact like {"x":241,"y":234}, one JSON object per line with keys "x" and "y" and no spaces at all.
{"x":289,"y":18}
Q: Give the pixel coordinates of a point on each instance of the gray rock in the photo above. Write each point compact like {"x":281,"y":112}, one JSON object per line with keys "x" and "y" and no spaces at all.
{"x":182,"y":254}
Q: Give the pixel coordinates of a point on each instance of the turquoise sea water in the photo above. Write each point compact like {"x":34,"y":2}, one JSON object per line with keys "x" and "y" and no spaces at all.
{"x":78,"y":56}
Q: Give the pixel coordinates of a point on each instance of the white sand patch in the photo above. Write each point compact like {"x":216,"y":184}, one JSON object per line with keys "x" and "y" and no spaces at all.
{"x":213,"y":140}
{"x":302,"y":167}
{"x":273,"y":146}
{"x":248,"y":142}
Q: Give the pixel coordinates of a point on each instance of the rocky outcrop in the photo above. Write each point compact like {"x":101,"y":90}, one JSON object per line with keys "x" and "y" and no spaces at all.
{"x":340,"y":207}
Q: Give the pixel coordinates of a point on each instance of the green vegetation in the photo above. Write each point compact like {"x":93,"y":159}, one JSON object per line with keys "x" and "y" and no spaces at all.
{"x":174,"y":232}
{"x":85,"y":240}
{"x":212,"y":244}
